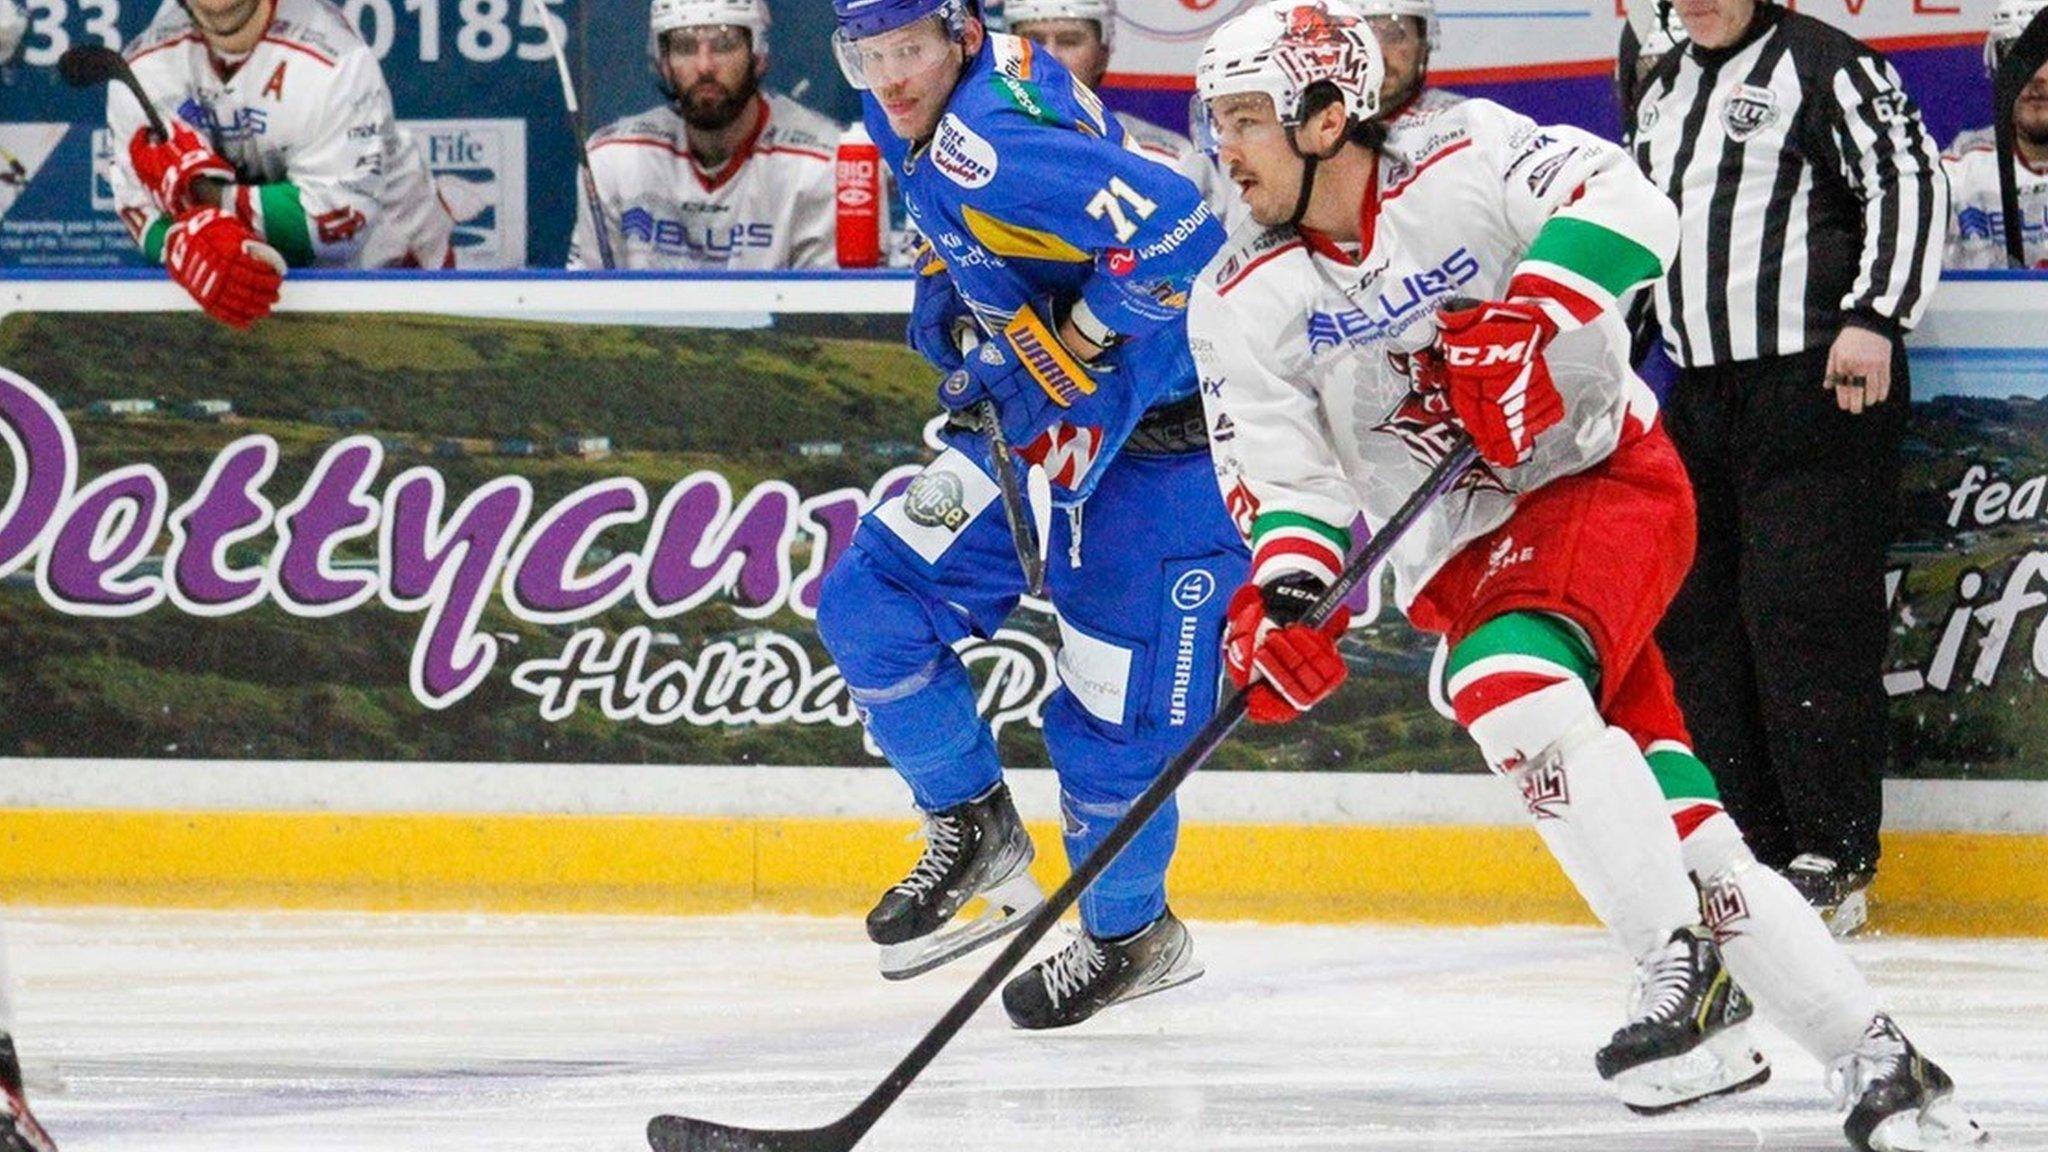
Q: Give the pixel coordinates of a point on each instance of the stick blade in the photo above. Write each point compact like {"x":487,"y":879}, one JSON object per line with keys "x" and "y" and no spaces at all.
{"x":686,"y":1134}
{"x":86,"y":65}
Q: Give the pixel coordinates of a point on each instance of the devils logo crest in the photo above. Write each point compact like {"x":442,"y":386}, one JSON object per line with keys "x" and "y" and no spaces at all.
{"x":1423,"y":423}
{"x":1313,"y":24}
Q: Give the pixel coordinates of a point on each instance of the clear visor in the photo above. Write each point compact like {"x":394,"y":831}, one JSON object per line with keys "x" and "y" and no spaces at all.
{"x":892,"y":57}
{"x":1229,"y":121}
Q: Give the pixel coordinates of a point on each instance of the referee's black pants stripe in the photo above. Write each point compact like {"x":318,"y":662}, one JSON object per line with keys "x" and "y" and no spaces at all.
{"x":1777,"y":639}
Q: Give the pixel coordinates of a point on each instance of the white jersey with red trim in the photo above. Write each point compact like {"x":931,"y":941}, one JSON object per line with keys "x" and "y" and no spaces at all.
{"x":1426,"y":103}
{"x":771,"y":205}
{"x":1303,"y":344}
{"x":326,"y":174}
{"x":1976,"y":226}
{"x":1180,"y":154}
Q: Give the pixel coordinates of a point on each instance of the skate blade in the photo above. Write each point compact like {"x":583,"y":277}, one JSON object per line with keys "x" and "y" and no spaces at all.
{"x":1721,"y":1065}
{"x":1005,"y":908}
{"x":1849,"y":916}
{"x":1941,"y":1126}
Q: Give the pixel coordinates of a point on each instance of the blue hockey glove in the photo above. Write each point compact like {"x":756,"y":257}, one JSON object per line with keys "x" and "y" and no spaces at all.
{"x":936,"y":312}
{"x":1027,"y":372}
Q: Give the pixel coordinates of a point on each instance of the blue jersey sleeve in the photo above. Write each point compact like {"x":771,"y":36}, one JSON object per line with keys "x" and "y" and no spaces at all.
{"x":1061,"y":185}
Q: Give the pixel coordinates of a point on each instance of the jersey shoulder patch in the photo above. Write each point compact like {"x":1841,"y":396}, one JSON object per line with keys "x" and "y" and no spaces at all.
{"x":795,"y":127}
{"x":1251,"y":247}
{"x":1424,"y":139}
{"x":317,"y":27}
{"x":171,"y":26}
{"x":962,"y":154}
{"x":1024,"y":79}
{"x":659,"y":123}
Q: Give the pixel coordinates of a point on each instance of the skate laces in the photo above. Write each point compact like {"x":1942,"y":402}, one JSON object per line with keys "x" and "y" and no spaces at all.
{"x":1075,"y":966}
{"x":943,"y":837}
{"x":1662,"y":982}
{"x":1880,"y":1056}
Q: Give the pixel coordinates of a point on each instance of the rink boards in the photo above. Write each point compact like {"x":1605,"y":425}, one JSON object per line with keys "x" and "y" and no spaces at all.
{"x":1965,"y":858}
{"x":1962,"y":856}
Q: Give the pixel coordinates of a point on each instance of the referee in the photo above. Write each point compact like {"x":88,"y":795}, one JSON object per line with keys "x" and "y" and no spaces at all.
{"x":1811,"y":203}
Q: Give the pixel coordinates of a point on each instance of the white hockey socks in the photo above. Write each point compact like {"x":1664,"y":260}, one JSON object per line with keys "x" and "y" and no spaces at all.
{"x":1597,"y":808}
{"x":1776,"y":945}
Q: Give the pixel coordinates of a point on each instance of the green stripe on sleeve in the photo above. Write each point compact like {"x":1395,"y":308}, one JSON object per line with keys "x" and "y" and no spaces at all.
{"x":284,"y":223}
{"x":1606,"y":257}
{"x":1526,"y":634}
{"x":153,"y":239}
{"x":1682,"y":776}
{"x":1339,"y":538}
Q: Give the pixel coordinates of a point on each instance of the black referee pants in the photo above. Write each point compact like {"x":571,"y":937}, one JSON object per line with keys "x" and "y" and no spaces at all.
{"x":1777,"y":639}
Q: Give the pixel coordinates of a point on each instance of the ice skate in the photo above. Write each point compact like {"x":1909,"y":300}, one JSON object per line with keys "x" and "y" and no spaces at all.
{"x":1899,"y":1100}
{"x":1686,"y":1042}
{"x":974,"y":849}
{"x":19,"y":1131}
{"x":1840,"y":894}
{"x":1089,"y":975}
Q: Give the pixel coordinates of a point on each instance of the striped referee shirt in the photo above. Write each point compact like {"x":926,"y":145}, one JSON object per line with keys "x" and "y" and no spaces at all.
{"x":1809,"y":192}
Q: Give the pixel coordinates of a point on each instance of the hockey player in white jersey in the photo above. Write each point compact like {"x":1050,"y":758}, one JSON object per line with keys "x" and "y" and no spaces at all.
{"x":284,"y":151}
{"x":722,"y":176}
{"x":1331,"y":393}
{"x":1081,"y":34}
{"x":1409,"y":34}
{"x":1976,"y":235}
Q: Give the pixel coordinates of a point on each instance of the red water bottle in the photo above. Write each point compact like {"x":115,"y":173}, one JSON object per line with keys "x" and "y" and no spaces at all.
{"x":859,"y":199}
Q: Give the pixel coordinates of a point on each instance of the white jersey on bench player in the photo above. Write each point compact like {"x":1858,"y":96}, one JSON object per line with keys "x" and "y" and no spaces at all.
{"x":721,"y":177}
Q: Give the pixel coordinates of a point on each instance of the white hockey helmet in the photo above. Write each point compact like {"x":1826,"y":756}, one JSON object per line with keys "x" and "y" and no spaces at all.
{"x":1283,"y":48}
{"x":1103,"y":12}
{"x":665,"y":16}
{"x":1423,"y":10}
{"x":2008,"y":20}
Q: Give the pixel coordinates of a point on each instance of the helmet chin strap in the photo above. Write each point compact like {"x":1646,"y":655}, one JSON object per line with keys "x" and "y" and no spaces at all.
{"x":1309,"y":161}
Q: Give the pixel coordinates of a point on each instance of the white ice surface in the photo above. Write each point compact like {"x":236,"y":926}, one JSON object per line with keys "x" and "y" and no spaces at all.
{"x":188,"y":1031}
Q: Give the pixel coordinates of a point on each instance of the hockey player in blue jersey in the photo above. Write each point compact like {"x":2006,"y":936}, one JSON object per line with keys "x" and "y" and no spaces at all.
{"x":1072,"y":257}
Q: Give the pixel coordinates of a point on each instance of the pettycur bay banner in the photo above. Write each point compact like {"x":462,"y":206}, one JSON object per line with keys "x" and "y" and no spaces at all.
{"x":412,"y":538}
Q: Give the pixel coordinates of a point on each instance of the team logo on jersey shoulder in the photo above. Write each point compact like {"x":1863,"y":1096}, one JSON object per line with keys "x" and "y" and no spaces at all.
{"x":1750,"y":109}
{"x":961,"y":153}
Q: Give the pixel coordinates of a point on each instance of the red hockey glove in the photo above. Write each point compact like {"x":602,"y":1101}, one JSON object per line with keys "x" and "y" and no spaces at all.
{"x":232,"y":274}
{"x":1489,"y":360}
{"x":1285,"y":667}
{"x":168,"y":167}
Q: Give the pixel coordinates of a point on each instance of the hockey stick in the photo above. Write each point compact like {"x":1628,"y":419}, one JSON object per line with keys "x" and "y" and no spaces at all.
{"x":2028,"y":53}
{"x":686,"y":1134}
{"x":1022,"y":533}
{"x":575,"y":107}
{"x":90,"y":65}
